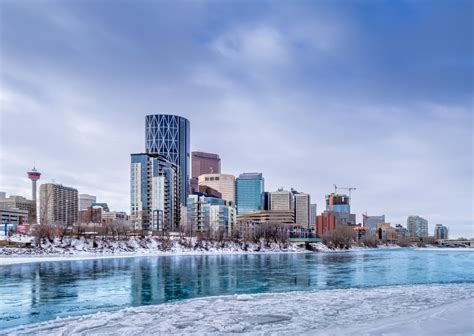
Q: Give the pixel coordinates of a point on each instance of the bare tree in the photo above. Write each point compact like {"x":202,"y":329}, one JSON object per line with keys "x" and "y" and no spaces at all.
{"x":341,"y":237}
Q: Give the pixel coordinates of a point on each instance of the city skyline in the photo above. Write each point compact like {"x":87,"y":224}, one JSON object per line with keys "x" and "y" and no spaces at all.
{"x":399,"y":135}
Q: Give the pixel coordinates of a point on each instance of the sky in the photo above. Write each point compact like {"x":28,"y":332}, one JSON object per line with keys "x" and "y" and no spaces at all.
{"x":376,"y":95}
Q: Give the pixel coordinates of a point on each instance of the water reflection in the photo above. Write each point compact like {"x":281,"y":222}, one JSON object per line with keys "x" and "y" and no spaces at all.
{"x":41,"y":291}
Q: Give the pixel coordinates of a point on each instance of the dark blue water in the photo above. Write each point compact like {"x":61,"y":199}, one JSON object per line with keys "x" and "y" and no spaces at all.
{"x":41,"y":291}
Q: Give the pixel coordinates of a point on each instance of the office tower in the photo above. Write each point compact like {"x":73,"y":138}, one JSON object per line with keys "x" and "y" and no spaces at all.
{"x":371,"y":222}
{"x":169,"y":136}
{"x":205,"y":163}
{"x":313,"y":213}
{"x":249,"y":193}
{"x":266,"y":201}
{"x":208,"y":214}
{"x":58,"y":204}
{"x":417,"y":226}
{"x":223,"y":183}
{"x":281,"y":200}
{"x":34,"y":176}
{"x":154,"y":193}
{"x":339,"y":205}
{"x":20,"y":202}
{"x":441,"y":231}
{"x":302,"y":209}
{"x":86,"y":201}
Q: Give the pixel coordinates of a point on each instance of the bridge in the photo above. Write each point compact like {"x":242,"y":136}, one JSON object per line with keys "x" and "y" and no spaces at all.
{"x":456,"y":243}
{"x":304,"y":241}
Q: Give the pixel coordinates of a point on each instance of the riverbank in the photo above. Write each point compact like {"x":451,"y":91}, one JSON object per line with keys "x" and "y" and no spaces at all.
{"x":394,"y":310}
{"x":83,"y":249}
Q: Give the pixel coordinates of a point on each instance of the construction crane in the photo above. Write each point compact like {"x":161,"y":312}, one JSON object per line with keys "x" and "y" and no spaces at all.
{"x":346,"y":188}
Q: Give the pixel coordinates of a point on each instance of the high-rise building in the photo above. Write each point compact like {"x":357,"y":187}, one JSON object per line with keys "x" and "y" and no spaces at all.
{"x":154,"y":193}
{"x":281,"y":200}
{"x":86,"y":201}
{"x":205,"y":163}
{"x":340,"y":206}
{"x":441,"y":231}
{"x":313,"y":213}
{"x":302,"y":209}
{"x":266,"y":201}
{"x":249,"y":193}
{"x":58,"y":204}
{"x":223,"y":183}
{"x":210,"y":214}
{"x":417,"y":226}
{"x":20,"y":202}
{"x":371,"y":222}
{"x":169,"y":136}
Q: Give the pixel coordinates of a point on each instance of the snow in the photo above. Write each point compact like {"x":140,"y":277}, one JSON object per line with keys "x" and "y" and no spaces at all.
{"x":396,"y":310}
{"x":84,"y":249}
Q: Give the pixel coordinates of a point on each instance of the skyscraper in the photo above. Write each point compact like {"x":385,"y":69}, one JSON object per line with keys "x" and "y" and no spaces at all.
{"x":249,"y":193}
{"x":313,"y":213}
{"x":417,"y":226}
{"x":169,"y":136}
{"x":441,"y":231}
{"x":154,"y":193}
{"x":58,"y":204}
{"x":223,"y":183}
{"x":205,"y":163}
{"x":302,"y":204}
{"x":340,"y":206}
{"x":281,"y":200}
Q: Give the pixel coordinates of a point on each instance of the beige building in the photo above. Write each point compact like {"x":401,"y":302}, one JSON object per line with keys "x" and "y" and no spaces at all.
{"x":58,"y":204}
{"x":223,"y":183}
{"x":273,"y":217}
{"x":302,"y":209}
{"x":281,"y":200}
{"x":19,"y":202}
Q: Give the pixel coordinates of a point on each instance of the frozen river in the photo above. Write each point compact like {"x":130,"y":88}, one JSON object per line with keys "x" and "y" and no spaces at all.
{"x":44,"y":290}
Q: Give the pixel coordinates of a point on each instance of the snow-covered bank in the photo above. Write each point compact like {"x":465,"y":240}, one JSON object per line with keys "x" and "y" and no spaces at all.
{"x":82,"y":249}
{"x":398,"y":310}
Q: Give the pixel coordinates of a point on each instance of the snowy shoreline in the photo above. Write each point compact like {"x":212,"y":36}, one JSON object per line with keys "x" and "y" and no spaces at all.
{"x":396,"y":310}
{"x":87,"y":249}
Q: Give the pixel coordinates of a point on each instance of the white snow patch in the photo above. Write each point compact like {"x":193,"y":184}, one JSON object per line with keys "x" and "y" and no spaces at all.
{"x":397,"y":310}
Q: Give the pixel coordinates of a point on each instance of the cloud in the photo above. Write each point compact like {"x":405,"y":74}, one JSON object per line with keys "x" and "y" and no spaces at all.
{"x":309,"y":94}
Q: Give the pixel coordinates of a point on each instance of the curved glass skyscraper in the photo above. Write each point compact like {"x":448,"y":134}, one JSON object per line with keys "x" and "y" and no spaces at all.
{"x":168,"y":135}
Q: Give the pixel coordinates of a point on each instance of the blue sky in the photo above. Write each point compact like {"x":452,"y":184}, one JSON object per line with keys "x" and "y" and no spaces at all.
{"x":372,"y":94}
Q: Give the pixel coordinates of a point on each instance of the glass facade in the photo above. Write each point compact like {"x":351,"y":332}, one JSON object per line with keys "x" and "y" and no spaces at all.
{"x":249,"y":193}
{"x":154,"y":197}
{"x":169,"y":136}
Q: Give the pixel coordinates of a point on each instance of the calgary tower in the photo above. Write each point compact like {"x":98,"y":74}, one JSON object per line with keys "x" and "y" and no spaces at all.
{"x":34,"y":176}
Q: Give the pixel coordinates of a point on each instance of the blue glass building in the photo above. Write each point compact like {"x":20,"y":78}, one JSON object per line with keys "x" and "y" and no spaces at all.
{"x":249,"y":193}
{"x":169,"y":136}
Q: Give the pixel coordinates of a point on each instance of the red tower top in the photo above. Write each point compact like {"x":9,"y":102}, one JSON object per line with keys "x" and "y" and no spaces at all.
{"x":34,"y":175}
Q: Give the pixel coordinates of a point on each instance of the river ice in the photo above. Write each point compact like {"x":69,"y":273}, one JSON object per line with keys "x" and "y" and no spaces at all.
{"x":395,"y":310}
